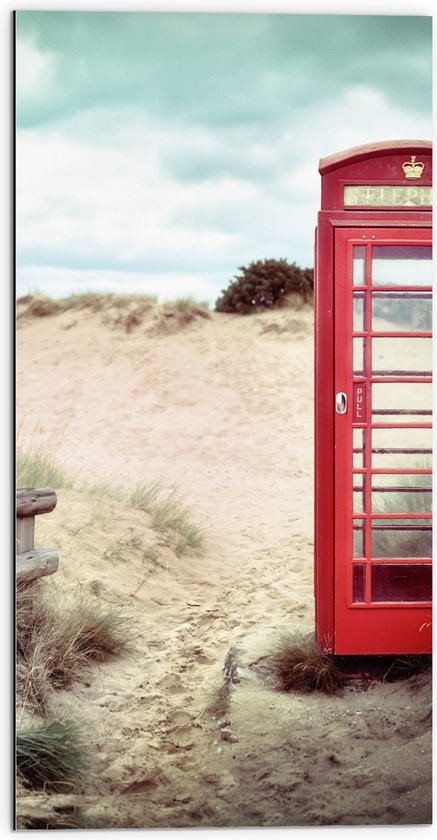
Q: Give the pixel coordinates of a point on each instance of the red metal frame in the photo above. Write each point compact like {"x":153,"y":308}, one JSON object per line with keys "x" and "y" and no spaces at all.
{"x":344,"y":627}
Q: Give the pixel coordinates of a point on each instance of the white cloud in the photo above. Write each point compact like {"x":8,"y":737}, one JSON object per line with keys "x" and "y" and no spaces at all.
{"x":35,"y":72}
{"x":116,"y":192}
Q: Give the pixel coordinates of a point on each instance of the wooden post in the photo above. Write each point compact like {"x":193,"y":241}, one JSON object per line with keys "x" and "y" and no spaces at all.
{"x":33,"y":563}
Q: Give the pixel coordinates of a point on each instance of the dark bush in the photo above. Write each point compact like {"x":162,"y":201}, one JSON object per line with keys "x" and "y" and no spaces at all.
{"x":266,"y":284}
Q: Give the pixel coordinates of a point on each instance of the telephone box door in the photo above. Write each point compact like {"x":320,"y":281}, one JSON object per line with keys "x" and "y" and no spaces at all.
{"x":382,"y":405}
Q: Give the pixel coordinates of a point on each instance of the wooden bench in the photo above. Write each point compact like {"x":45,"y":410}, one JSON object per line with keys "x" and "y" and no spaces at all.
{"x":31,"y":563}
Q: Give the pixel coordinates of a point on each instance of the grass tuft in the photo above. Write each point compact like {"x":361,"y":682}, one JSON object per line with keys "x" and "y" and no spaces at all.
{"x":219,"y":702}
{"x":50,"y":755}
{"x":295,"y":664}
{"x":180,"y":312}
{"x":35,"y":468}
{"x":170,"y":517}
{"x":57,"y":635}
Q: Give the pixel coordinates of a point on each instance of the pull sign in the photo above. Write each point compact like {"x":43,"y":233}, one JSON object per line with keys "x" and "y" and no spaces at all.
{"x":341,"y":402}
{"x":359,"y":403}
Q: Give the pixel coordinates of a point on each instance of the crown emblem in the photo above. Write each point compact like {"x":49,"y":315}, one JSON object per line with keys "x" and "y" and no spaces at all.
{"x":413,"y":169}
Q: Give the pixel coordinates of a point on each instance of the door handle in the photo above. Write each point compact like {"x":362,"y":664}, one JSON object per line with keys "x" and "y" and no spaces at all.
{"x":341,"y":402}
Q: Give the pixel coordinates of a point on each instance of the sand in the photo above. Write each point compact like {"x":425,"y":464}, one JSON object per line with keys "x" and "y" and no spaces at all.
{"x":222,"y":408}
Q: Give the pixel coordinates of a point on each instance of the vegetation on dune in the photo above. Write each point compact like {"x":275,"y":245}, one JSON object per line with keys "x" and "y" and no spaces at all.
{"x":176,"y":524}
{"x":34,"y":467}
{"x":41,"y":306}
{"x":57,"y":635}
{"x":50,"y":755}
{"x":219,"y":702}
{"x":121,"y":311}
{"x":182,"y":311}
{"x":267,"y":284}
{"x":296,"y":664}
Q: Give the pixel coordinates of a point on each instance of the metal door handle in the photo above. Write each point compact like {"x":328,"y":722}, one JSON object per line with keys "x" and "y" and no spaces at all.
{"x":341,"y":402}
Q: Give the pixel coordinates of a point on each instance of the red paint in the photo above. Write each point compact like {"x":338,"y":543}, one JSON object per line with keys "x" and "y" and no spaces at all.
{"x":351,"y":617}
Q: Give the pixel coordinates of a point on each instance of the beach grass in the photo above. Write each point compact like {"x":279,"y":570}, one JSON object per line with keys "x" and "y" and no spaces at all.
{"x":37,"y":467}
{"x":176,"y":524}
{"x":117,"y":310}
{"x":50,"y":755}
{"x":173,"y":520}
{"x":219,"y":701}
{"x":59,"y":633}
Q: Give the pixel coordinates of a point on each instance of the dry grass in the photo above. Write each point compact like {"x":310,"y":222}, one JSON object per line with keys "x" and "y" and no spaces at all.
{"x":57,"y":635}
{"x":175,"y":523}
{"x":219,"y":702}
{"x":50,"y":755}
{"x":121,"y":311}
{"x":39,"y":306}
{"x":173,"y":520}
{"x":179,"y":313}
{"x":295,"y":664}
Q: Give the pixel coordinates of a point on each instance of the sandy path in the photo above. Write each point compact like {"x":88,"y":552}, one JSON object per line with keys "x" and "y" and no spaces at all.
{"x":224,"y":409}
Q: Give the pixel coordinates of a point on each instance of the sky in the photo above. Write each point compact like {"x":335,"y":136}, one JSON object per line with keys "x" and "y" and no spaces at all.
{"x":158,"y":153}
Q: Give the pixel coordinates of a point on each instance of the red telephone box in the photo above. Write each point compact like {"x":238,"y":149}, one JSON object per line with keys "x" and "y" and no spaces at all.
{"x":373,"y":456}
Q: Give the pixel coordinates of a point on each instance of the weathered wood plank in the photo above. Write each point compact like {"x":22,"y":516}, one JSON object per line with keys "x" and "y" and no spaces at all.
{"x":36,"y":564}
{"x":25,"y":534}
{"x":30,"y":502}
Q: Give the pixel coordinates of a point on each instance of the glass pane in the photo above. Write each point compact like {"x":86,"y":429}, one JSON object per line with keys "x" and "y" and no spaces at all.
{"x":401,"y":356}
{"x":402,"y":538}
{"x":358,"y":539}
{"x":359,"y":298}
{"x":410,"y":494}
{"x":358,"y":582}
{"x":409,"y":582}
{"x":399,"y":311}
{"x":359,"y":265}
{"x":402,"y":448}
{"x":392,"y":400}
{"x":359,"y":355}
{"x":402,"y":265}
{"x":358,"y":445}
{"x":358,"y":496}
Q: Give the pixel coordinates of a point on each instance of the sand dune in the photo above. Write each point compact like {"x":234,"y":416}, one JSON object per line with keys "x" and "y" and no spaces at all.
{"x":223,"y":408}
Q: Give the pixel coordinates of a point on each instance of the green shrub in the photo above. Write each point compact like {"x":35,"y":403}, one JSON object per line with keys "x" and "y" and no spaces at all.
{"x":266,"y":284}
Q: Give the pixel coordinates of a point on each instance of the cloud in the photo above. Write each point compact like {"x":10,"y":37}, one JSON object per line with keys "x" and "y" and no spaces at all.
{"x":148,"y":198}
{"x":183,"y":146}
{"x":211,"y":68}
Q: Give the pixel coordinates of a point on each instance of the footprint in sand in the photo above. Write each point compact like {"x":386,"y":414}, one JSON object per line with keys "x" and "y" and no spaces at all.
{"x":179,"y":725}
{"x":178,"y":718}
{"x":172,"y":684}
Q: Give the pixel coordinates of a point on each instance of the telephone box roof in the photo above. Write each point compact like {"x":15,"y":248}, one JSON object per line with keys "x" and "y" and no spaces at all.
{"x":383,"y":147}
